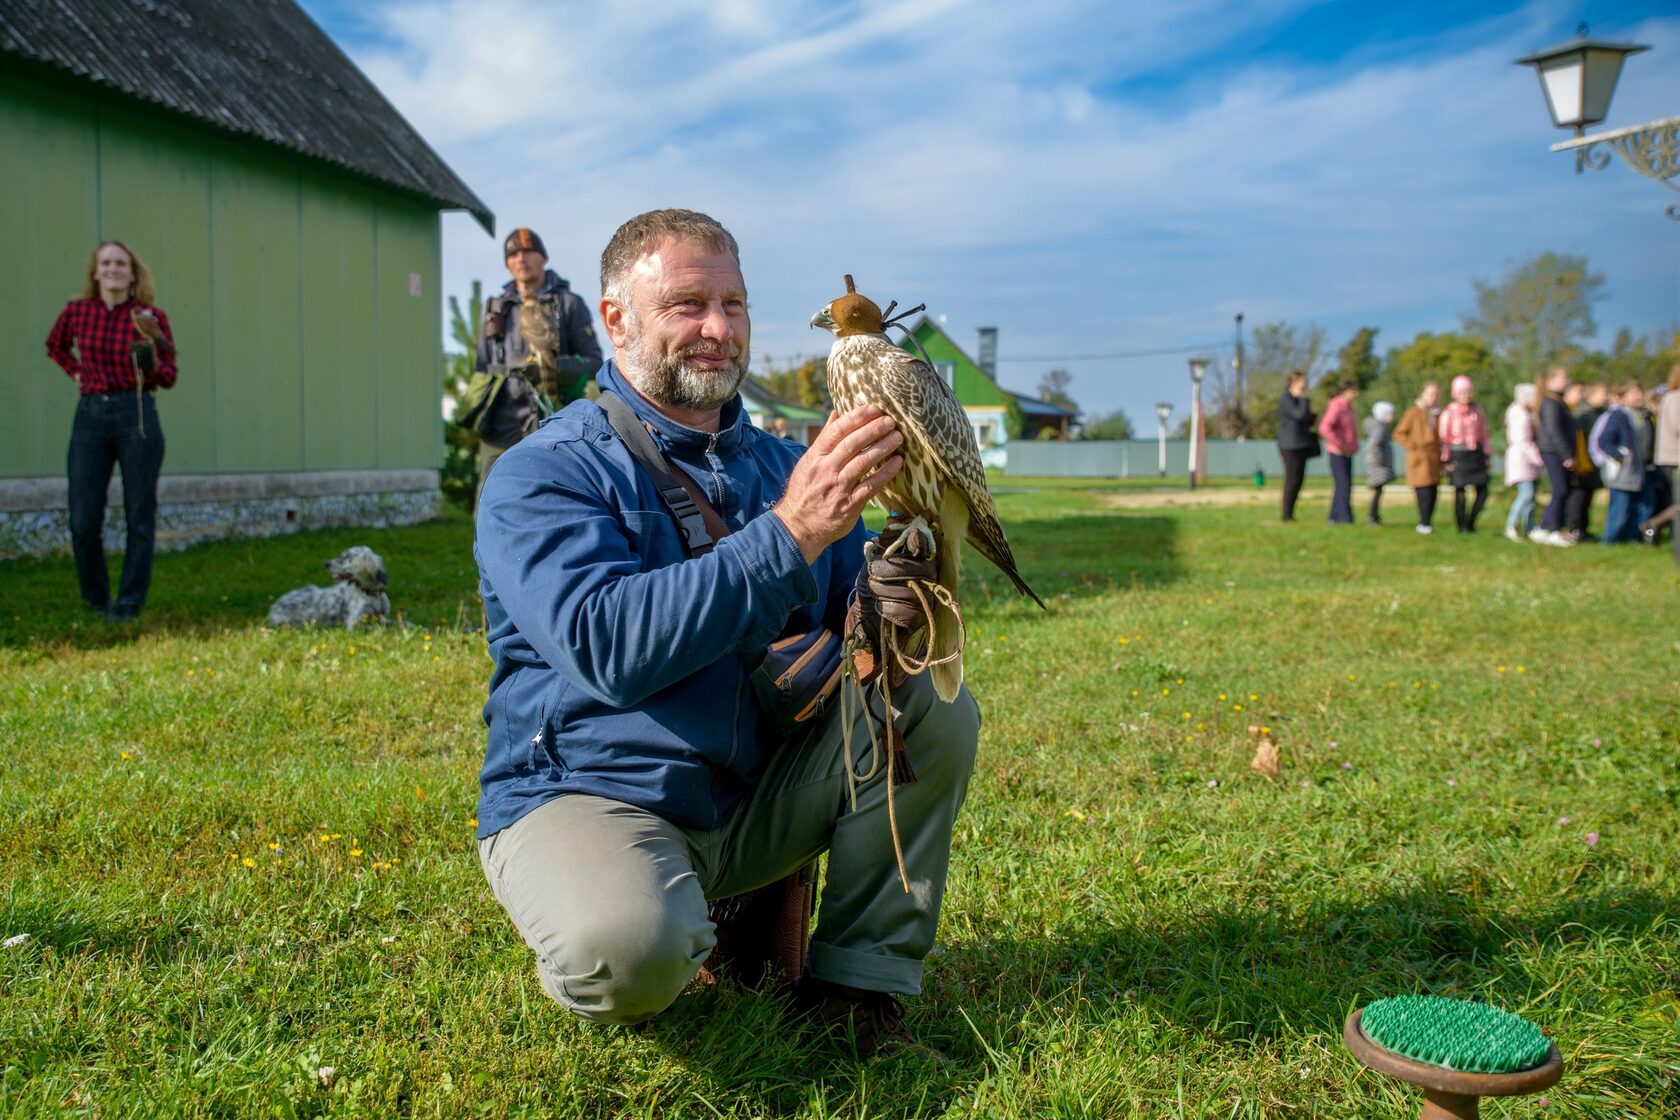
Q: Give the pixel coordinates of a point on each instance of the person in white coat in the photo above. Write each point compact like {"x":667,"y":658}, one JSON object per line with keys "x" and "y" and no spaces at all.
{"x":1522,"y":462}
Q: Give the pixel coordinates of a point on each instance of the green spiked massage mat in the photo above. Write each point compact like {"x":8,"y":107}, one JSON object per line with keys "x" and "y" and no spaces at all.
{"x":1455,"y":1050}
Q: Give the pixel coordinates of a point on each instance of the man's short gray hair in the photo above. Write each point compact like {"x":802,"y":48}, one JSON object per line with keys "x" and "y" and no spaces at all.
{"x":643,"y":233}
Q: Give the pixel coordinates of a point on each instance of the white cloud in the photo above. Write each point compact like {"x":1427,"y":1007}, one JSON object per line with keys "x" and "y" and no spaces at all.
{"x":1037,"y":167}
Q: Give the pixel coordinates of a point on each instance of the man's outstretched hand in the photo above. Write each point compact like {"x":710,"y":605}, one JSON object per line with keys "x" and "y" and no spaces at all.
{"x":851,"y":459}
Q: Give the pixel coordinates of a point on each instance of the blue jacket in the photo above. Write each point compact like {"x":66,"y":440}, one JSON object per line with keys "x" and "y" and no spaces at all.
{"x":621,"y":666}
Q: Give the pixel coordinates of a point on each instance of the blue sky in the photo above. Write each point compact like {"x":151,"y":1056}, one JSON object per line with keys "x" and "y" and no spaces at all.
{"x":1091,"y":178}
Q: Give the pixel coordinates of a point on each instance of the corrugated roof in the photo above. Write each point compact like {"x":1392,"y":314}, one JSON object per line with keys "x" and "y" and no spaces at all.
{"x":259,"y":68}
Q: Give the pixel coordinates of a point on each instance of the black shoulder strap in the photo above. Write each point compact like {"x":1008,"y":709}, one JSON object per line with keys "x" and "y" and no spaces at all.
{"x":691,"y":524}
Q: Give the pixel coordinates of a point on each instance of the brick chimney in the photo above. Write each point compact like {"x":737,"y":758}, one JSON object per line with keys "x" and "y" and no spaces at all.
{"x":988,"y":352}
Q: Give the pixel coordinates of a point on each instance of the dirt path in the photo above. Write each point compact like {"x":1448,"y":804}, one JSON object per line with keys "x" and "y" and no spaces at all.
{"x":1222,"y":496}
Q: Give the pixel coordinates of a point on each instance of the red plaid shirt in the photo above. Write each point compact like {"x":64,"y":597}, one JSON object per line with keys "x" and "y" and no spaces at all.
{"x":91,"y":342}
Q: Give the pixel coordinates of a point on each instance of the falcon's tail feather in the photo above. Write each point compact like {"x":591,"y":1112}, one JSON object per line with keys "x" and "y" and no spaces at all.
{"x":997,"y":551}
{"x":948,"y":635}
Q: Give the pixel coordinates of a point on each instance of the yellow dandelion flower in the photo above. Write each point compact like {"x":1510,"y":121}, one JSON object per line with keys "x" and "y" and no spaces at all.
{"x":1134,"y":692}
{"x":1499,"y":668}
{"x":355,"y":853}
{"x":1166,"y":692}
{"x":1201,"y":726}
{"x":1351,"y":677}
{"x":1180,"y":680}
{"x":326,"y":837}
{"x":126,"y":757}
{"x":189,"y":672}
{"x":1222,"y":696}
{"x":1522,"y":669}
{"x":473,"y":821}
{"x":248,"y":862}
{"x":1236,"y":707}
{"x":1253,"y":696}
{"x":352,"y":651}
{"x":1186,"y":715}
{"x":1074,"y":815}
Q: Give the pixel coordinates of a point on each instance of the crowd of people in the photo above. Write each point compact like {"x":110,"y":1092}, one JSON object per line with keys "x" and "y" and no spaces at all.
{"x":1579,"y":438}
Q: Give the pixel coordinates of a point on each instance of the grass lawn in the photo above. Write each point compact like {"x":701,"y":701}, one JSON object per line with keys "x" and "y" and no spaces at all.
{"x":241,"y":856}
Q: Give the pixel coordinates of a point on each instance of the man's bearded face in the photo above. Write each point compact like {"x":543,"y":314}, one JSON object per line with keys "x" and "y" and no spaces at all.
{"x":666,"y":371}
{"x":687,"y":331}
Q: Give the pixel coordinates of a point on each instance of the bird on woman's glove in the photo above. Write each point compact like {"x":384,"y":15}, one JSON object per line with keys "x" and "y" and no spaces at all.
{"x":887,"y":602}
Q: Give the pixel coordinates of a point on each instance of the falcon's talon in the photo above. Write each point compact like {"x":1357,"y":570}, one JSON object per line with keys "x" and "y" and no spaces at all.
{"x":916,"y":531}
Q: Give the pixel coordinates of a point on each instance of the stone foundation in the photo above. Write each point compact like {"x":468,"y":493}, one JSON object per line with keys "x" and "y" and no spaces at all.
{"x":34,"y":519}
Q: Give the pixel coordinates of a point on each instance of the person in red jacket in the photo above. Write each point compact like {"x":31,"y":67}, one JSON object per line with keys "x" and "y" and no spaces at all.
{"x":1341,"y":441}
{"x":116,"y":343}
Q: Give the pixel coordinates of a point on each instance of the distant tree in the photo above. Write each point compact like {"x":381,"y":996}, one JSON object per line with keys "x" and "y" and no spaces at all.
{"x":459,"y":480}
{"x":1644,"y":360}
{"x":1052,"y":388}
{"x":1538,"y":312}
{"x":1357,"y":361}
{"x":1109,"y":425}
{"x":1275,"y":349}
{"x":805,"y":383}
{"x":1014,"y":420}
{"x":1434,"y":357}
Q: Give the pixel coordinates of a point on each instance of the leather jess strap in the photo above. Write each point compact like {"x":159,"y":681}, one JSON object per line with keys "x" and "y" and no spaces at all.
{"x":698,"y":524}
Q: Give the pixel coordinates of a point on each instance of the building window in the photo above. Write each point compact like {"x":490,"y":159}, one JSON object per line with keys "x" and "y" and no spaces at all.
{"x":983,"y":434}
{"x":947,"y":370}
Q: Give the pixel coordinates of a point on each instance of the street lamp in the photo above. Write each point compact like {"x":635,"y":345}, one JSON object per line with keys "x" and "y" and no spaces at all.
{"x":1198,"y":433}
{"x":1163,"y":412}
{"x":1578,"y":78}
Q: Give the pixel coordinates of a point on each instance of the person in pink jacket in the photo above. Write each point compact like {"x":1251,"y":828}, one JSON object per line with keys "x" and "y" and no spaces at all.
{"x":1341,"y":439}
{"x":1522,"y":462}
{"x":1464,"y":450}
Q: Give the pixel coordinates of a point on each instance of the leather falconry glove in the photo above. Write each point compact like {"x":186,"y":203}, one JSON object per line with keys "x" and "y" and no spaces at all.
{"x":885,"y":598}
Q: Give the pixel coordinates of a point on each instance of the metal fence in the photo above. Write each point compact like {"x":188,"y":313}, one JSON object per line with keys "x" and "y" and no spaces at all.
{"x":1139,"y":458}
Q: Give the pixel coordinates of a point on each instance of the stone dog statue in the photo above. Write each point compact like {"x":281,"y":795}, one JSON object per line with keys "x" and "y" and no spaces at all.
{"x":356,"y":593}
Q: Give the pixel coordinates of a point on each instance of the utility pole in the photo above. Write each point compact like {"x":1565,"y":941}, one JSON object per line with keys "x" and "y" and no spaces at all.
{"x":1237,"y":370}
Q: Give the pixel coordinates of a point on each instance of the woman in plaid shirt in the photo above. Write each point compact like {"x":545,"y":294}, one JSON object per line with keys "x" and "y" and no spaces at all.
{"x":118,"y":347}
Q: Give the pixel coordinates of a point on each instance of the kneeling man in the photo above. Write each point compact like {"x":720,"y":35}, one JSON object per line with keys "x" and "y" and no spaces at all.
{"x":631,"y":773}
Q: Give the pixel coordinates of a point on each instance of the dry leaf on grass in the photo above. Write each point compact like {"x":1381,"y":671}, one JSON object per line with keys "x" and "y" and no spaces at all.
{"x":1265,"y":758}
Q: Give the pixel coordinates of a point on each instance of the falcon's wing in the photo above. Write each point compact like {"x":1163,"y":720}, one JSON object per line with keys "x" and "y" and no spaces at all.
{"x":919,"y":400}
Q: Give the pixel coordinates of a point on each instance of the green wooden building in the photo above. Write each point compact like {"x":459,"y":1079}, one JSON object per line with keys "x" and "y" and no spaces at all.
{"x":290,"y":218}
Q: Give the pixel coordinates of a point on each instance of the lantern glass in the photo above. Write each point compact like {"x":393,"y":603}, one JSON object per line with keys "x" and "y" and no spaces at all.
{"x":1561,"y":79}
{"x":1602,"y":69}
{"x":1198,"y":369}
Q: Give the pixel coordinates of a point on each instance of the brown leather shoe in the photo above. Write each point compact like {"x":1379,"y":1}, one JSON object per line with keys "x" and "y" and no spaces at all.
{"x":871,"y":1022}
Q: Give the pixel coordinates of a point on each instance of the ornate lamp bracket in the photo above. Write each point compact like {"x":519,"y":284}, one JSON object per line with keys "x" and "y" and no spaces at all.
{"x":1651,"y":149}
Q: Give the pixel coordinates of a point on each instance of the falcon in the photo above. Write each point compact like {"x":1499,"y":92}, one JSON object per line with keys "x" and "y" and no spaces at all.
{"x":941,"y":489}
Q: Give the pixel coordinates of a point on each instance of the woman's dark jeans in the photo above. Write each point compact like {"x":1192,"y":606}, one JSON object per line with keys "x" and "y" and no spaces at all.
{"x":1341,"y":498}
{"x":107,"y":433}
{"x":1558,"y":479}
{"x":1294,"y":473}
{"x":1426,"y":496}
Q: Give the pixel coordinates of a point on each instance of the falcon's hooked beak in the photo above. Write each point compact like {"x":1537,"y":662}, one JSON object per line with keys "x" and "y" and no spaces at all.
{"x":823,"y":319}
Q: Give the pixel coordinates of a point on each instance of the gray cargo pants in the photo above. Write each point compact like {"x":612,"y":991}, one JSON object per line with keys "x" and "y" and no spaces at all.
{"x":612,"y":898}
